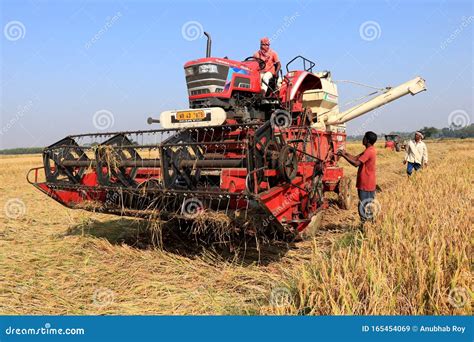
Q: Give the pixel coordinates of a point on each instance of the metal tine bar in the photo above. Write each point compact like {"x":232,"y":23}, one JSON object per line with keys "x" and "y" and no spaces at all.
{"x":160,"y":134}
{"x":219,"y":204}
{"x":213,"y":132}
{"x":212,"y":137}
{"x":228,"y":204}
{"x":108,"y":134}
{"x":146,"y":146}
{"x":247,"y":209}
{"x":196,"y":143}
{"x":92,"y":147}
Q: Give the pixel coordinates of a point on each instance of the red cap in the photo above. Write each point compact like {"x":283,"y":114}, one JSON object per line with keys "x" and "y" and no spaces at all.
{"x":265,"y":40}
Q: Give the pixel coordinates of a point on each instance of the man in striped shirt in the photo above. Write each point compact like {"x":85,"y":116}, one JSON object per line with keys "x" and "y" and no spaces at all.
{"x":416,"y":156}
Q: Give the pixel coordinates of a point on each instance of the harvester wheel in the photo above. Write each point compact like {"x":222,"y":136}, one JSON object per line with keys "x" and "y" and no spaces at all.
{"x":345,"y":197}
{"x":288,"y":162}
{"x":110,"y":154}
{"x":65,"y":150}
{"x":173,"y":152}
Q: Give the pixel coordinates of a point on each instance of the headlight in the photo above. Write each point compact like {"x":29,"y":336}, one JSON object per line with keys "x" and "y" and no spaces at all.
{"x":189,"y":71}
{"x":207,"y":68}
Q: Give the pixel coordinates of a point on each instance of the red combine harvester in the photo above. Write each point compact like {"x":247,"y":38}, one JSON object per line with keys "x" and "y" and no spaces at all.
{"x":393,"y":142}
{"x":234,"y":151}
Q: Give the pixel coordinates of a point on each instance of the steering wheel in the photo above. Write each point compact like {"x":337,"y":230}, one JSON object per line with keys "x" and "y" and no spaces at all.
{"x":261,"y":62}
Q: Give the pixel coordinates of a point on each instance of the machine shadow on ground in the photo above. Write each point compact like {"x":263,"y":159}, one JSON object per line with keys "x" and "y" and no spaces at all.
{"x":138,"y":234}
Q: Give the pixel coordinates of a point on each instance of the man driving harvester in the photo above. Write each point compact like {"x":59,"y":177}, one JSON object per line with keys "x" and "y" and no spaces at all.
{"x":272,"y":63}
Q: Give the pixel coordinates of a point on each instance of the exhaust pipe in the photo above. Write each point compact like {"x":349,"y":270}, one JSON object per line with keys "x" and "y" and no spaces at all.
{"x":152,"y":121}
{"x":208,"y":47}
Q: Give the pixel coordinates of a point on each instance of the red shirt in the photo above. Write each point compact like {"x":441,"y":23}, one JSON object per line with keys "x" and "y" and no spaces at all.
{"x":270,"y":57}
{"x":366,"y":173}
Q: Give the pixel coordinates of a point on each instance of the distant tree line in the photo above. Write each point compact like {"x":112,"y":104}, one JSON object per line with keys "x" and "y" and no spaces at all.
{"x":453,"y":132}
{"x":22,"y":150}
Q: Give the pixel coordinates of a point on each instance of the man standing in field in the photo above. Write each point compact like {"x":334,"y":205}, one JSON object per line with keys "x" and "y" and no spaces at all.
{"x":416,"y":156}
{"x":366,"y":181}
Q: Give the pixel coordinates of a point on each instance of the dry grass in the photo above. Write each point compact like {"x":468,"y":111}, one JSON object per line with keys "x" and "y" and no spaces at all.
{"x":60,"y":261}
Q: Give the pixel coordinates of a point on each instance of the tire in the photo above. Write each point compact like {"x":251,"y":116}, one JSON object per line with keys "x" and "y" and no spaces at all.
{"x":345,"y":196}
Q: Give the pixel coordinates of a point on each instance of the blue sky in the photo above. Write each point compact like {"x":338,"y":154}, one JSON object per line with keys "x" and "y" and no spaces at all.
{"x":67,"y":60}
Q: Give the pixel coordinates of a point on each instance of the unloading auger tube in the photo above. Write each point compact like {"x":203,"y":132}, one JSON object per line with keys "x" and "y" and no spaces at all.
{"x":412,"y":87}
